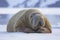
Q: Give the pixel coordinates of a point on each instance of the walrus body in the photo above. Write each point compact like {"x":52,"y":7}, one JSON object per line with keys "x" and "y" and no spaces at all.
{"x":29,"y":21}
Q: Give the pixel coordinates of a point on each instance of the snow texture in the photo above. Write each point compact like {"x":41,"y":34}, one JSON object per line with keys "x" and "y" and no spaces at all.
{"x":55,"y":35}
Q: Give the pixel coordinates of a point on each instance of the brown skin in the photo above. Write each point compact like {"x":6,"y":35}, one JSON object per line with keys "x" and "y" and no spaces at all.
{"x":23,"y":23}
{"x":31,"y":29}
{"x":47,"y":27}
{"x":47,"y":24}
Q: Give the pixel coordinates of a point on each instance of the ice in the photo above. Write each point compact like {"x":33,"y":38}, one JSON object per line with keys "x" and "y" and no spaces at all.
{"x":4,"y":35}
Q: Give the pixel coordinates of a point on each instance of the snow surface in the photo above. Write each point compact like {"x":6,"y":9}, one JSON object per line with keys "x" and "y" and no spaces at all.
{"x":55,"y":35}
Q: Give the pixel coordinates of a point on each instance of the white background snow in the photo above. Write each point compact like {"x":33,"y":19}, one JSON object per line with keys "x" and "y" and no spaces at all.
{"x":55,"y":35}
{"x":44,"y":3}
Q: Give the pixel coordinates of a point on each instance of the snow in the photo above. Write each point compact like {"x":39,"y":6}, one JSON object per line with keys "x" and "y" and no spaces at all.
{"x":48,"y":11}
{"x":55,"y":35}
{"x":31,"y":3}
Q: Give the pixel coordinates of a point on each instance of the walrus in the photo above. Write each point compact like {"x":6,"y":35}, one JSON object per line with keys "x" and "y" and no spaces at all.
{"x":29,"y":21}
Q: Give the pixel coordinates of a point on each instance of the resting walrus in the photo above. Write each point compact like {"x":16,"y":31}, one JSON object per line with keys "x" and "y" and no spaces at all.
{"x":29,"y":21}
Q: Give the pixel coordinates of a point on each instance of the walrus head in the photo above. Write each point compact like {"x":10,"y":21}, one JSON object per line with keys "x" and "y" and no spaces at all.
{"x":36,"y":20}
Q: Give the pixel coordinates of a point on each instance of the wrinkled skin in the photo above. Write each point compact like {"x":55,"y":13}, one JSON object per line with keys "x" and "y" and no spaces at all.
{"x":32,"y":21}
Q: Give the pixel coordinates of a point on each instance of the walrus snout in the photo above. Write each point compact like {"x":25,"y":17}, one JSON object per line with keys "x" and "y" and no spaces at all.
{"x":36,"y":20}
